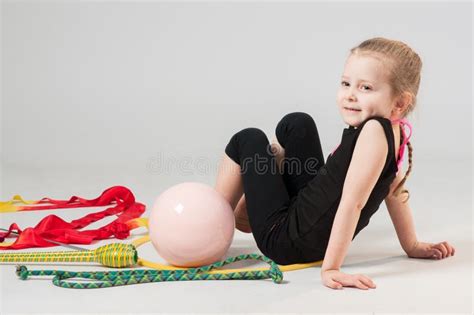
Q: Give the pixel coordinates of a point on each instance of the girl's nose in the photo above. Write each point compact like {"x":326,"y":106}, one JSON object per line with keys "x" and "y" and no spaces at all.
{"x":351,"y":97}
{"x":350,"y":94}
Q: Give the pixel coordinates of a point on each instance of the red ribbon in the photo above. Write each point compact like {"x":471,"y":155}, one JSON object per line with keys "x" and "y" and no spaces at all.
{"x":56,"y":229}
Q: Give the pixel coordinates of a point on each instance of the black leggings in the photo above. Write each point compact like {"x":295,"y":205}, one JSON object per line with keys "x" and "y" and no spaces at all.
{"x":269,"y":193}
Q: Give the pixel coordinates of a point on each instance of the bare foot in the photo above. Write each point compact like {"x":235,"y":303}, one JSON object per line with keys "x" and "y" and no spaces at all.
{"x":241,"y":218}
{"x":278,"y":151}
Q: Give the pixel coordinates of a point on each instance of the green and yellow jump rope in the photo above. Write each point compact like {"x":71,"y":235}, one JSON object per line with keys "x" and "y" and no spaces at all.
{"x":121,"y":255}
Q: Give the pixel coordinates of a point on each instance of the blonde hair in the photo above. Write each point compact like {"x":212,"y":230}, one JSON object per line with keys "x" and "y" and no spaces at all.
{"x":404,"y":73}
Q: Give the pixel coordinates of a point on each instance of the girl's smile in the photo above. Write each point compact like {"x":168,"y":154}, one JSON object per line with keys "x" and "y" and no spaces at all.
{"x":352,"y":110}
{"x":364,"y":90}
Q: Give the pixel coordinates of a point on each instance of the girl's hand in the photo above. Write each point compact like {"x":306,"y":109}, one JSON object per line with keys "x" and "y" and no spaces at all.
{"x":431,"y":250}
{"x":335,"y":279}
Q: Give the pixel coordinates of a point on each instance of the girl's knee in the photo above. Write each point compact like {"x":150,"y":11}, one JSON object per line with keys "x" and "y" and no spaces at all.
{"x":250,"y":133}
{"x":245,"y":136}
{"x":295,"y":122}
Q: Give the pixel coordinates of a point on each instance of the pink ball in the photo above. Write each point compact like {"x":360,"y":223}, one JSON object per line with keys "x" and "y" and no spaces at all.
{"x":191,"y":225}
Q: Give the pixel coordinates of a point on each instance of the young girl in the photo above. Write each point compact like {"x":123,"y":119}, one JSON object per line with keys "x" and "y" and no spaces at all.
{"x":301,"y":209}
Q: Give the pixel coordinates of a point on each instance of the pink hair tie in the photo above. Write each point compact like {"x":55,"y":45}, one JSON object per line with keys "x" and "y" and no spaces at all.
{"x":403,"y":122}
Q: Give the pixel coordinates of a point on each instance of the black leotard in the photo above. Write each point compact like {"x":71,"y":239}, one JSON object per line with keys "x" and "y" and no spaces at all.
{"x":310,"y":230}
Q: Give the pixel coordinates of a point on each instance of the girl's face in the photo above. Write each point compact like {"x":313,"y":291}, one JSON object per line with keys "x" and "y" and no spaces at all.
{"x":364,"y":90}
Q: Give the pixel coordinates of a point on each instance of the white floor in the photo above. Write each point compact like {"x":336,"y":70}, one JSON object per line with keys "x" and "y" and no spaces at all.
{"x":441,"y":199}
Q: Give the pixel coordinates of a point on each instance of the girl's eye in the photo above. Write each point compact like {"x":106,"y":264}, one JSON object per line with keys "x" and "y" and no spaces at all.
{"x":343,"y":83}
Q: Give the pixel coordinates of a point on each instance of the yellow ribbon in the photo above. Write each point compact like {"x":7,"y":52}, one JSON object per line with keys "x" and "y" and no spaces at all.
{"x":9,"y":206}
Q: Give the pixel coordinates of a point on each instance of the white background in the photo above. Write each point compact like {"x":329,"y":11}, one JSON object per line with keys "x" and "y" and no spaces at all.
{"x":96,"y":94}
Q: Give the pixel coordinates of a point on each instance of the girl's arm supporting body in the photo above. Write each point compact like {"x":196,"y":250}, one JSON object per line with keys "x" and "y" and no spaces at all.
{"x":366,"y":165}
{"x":402,"y":219}
{"x":401,"y":216}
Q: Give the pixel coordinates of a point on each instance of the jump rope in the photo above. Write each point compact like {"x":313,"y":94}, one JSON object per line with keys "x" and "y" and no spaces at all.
{"x":53,"y":231}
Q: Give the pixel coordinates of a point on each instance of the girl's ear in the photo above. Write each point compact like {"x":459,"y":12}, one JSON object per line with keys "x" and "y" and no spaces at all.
{"x":403,"y":103}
